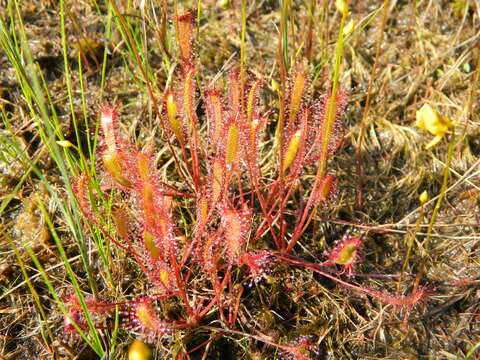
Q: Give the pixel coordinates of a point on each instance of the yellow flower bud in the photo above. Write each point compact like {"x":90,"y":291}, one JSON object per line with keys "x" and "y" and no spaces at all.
{"x":430,"y":120}
{"x":139,"y":351}
{"x":342,"y":7}
{"x":423,"y":197}
{"x":64,"y":143}
{"x":223,"y":3}
{"x":275,"y":85}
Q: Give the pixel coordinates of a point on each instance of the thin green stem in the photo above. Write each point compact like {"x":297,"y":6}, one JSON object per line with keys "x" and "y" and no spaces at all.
{"x":443,"y":191}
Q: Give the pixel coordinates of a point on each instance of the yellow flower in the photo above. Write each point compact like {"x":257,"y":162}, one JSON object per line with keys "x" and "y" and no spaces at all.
{"x":430,"y":120}
{"x":139,"y":351}
{"x":342,"y":7}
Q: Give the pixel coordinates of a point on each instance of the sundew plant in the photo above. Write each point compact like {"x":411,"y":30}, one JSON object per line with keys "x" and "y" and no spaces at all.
{"x":226,"y":221}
